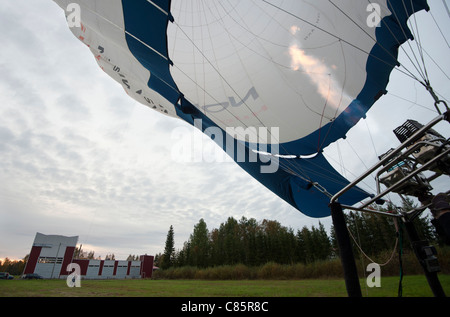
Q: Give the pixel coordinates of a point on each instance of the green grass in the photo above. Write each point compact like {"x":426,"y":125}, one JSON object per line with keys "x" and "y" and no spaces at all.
{"x":413,"y":286}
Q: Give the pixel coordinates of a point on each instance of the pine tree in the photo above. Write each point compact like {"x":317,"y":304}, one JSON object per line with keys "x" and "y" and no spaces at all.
{"x":200,"y":245}
{"x":215,"y":251}
{"x":300,"y":249}
{"x":324,"y":251}
{"x":169,"y":250}
{"x":308,"y":245}
{"x":229,"y":241}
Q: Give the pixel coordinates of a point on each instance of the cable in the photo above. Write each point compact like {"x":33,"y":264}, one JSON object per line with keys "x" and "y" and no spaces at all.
{"x":361,"y":250}
{"x":446,"y":8}
{"x":408,"y":73}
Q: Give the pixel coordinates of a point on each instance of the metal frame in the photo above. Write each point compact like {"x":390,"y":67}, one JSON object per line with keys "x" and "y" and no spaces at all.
{"x":388,"y":161}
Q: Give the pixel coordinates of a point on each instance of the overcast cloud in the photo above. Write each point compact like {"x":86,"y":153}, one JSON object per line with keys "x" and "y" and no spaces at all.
{"x":79,"y":157}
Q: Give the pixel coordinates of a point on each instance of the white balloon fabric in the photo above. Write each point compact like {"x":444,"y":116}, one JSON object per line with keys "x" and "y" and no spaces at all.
{"x":310,"y":69}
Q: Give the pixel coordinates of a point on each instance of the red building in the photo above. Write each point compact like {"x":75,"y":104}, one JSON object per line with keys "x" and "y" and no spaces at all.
{"x":51,"y":254}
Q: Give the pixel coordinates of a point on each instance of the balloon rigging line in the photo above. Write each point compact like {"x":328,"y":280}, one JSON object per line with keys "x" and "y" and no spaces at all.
{"x":407,"y":72}
{"x":386,"y":50}
{"x":446,"y":7}
{"x":417,"y":64}
{"x":419,"y":43}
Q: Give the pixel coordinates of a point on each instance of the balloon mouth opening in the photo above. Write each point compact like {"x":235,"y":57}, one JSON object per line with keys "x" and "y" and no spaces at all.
{"x":287,"y":156}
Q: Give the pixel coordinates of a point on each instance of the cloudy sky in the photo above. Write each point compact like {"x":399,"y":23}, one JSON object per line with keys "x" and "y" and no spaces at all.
{"x":79,"y":157}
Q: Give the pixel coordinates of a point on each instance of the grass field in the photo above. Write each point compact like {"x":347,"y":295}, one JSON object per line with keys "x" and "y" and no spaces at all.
{"x":413,"y":286}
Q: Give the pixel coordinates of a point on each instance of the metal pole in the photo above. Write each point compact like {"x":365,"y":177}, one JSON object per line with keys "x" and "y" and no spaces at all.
{"x":345,"y":250}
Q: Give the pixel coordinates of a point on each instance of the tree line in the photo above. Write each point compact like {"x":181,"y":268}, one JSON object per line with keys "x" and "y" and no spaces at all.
{"x":79,"y":253}
{"x":13,"y":267}
{"x":253,"y":243}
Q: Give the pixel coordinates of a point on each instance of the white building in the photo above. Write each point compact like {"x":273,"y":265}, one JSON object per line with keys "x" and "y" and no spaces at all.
{"x":51,"y":254}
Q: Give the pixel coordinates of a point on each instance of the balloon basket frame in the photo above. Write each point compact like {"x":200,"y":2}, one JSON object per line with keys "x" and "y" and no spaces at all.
{"x":401,"y":171}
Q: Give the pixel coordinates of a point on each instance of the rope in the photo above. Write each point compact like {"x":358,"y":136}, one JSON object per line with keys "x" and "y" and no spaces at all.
{"x":360,"y":249}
